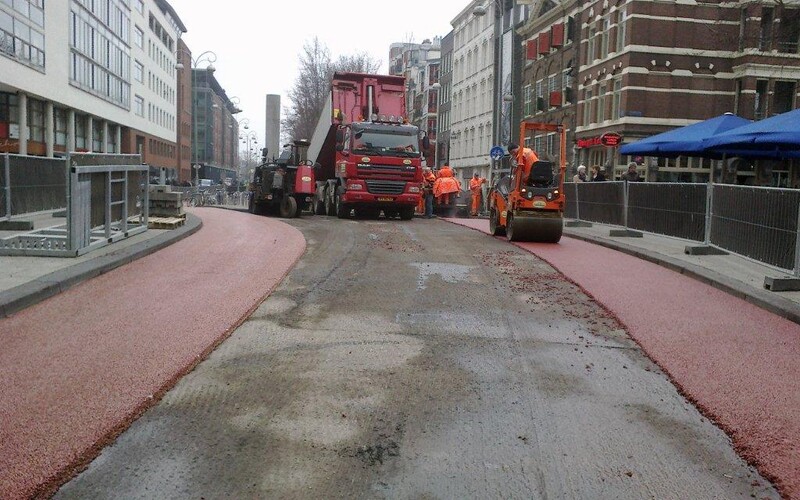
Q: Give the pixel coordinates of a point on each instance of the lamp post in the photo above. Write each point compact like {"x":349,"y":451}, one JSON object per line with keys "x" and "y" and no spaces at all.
{"x":249,"y":138}
{"x":438,"y":87}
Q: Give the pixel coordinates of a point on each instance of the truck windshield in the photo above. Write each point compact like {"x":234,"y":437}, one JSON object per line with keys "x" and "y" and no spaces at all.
{"x":389,"y":140}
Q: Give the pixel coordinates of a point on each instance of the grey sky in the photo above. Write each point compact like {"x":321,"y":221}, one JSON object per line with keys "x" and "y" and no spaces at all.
{"x":257,"y":43}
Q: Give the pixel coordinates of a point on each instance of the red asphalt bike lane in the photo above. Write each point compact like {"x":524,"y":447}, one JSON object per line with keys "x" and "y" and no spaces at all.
{"x":739,"y":364}
{"x":78,"y":368}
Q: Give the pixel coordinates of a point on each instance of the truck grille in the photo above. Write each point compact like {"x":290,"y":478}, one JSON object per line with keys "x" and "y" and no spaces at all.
{"x":385,"y":187}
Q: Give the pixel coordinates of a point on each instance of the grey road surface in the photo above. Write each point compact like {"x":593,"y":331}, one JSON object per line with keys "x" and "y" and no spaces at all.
{"x":422,"y":360}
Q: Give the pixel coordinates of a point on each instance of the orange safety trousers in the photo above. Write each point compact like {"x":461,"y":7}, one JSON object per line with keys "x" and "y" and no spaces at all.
{"x":476,"y":202}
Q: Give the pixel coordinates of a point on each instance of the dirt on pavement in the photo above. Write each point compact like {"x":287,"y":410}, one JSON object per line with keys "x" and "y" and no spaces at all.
{"x":422,"y":360}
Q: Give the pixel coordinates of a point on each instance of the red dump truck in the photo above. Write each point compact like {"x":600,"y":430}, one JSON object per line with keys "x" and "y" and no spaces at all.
{"x":366,"y":155}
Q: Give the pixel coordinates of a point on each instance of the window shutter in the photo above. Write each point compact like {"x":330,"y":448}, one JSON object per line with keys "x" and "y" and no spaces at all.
{"x":557,"y":35}
{"x":555,"y":99}
{"x":544,"y":42}
{"x":532,"y":49}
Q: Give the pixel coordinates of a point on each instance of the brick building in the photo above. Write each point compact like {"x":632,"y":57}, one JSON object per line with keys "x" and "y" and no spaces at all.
{"x":638,"y":68}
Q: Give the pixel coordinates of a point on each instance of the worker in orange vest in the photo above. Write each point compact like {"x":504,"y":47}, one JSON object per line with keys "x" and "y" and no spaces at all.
{"x":475,"y":188}
{"x":427,"y":191}
{"x":446,"y":187}
{"x":528,"y":159}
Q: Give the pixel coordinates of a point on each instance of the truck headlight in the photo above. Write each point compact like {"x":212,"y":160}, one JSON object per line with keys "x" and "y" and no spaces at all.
{"x":355,"y":187}
{"x":413,"y":189}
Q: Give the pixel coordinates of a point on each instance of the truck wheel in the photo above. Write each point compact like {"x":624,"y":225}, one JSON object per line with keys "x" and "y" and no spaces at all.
{"x":406,"y":212}
{"x":342,"y":209}
{"x":288,"y":208}
{"x":319,"y":206}
{"x":251,"y":205}
{"x":330,"y":204}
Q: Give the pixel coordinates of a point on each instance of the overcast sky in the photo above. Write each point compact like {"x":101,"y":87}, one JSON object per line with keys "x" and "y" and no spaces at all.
{"x":257,"y":42}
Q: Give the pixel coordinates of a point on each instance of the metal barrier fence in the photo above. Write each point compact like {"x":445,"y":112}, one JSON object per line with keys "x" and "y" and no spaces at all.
{"x":31,"y":184}
{"x":106,"y":199}
{"x":755,"y":222}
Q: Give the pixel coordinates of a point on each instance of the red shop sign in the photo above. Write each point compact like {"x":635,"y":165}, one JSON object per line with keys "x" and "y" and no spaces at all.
{"x":611,"y":139}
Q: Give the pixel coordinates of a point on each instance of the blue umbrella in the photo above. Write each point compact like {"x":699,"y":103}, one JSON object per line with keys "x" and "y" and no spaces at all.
{"x":686,"y":141}
{"x":778,"y":137}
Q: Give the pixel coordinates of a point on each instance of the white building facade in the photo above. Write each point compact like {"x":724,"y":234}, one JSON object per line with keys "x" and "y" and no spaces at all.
{"x":84,"y":75}
{"x":470,"y":118}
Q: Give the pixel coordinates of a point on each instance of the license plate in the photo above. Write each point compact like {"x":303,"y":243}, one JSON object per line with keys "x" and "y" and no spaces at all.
{"x":385,"y":198}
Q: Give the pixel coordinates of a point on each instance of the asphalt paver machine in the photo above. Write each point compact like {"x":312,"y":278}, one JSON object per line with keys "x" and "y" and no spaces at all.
{"x":531,"y":207}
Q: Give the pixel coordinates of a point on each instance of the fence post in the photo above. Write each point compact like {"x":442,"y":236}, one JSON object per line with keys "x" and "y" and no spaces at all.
{"x":709,"y":218}
{"x":7,"y":176}
{"x":577,"y":203}
{"x":625,"y":205}
{"x":797,"y":246}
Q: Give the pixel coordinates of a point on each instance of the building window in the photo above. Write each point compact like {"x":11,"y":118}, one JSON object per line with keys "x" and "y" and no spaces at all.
{"x":140,"y":6}
{"x":138,"y":37}
{"x":18,"y":39}
{"x":36,"y":119}
{"x":527,"y":92}
{"x":601,"y":103}
{"x":97,"y":135}
{"x":80,"y":132}
{"x":587,"y":107}
{"x":622,"y":24}
{"x":138,"y":105}
{"x":616,"y":99}
{"x":138,"y":71}
{"x":783,"y":99}
{"x":60,"y":126}
{"x":760,"y":105}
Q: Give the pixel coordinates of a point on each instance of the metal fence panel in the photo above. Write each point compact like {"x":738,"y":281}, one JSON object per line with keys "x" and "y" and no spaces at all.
{"x":5,"y":211}
{"x":600,"y":202}
{"x":37,"y":184}
{"x":760,"y":223}
{"x":671,"y":209}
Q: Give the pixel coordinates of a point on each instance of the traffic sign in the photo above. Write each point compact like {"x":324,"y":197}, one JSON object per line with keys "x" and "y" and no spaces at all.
{"x":497,"y":153}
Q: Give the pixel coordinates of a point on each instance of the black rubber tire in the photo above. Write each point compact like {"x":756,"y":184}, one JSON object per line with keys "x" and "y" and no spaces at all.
{"x":342,"y":209}
{"x":330,"y":204}
{"x":288,"y":208}
{"x":494,"y":223}
{"x":251,"y":205}
{"x":319,"y":202}
{"x":407,"y":212}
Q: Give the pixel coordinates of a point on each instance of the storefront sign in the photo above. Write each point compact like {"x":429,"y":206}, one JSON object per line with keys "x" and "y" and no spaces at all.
{"x":609,"y":139}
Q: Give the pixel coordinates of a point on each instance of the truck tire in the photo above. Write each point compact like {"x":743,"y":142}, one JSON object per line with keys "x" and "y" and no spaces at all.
{"x":251,"y":205}
{"x":406,"y":212}
{"x":288,"y":208}
{"x":330,"y":202}
{"x":318,"y":203}
{"x":342,"y":209}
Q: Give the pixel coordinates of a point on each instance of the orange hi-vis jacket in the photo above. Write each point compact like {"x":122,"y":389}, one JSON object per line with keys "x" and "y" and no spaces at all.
{"x":475,"y":185}
{"x":446,"y":183}
{"x":528,"y":159}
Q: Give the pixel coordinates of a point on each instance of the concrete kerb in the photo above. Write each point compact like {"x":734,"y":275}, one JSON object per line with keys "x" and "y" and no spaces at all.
{"x":762,"y":298}
{"x":28,"y":294}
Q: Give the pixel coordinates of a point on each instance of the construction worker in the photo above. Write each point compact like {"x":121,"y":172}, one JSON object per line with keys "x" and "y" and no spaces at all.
{"x":445,"y":186}
{"x":475,"y":188}
{"x":428,"y":179}
{"x":528,"y":159}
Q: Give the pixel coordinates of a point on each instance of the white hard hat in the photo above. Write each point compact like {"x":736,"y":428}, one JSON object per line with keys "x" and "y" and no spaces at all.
{"x":581,"y":167}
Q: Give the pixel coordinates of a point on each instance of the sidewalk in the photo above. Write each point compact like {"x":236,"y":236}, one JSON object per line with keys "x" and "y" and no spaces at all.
{"x":739,"y":276}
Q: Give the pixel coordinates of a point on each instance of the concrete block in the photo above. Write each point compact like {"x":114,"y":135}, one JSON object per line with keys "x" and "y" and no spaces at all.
{"x":577,"y":223}
{"x":625,"y":233}
{"x":703,"y":250}
{"x":16,"y":225}
{"x":782,"y":283}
